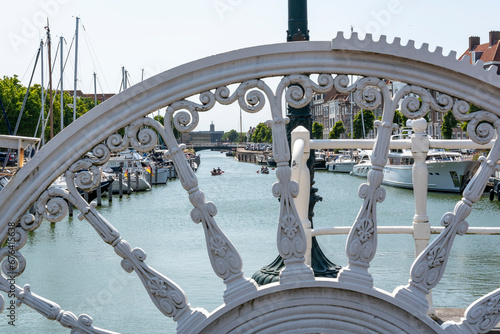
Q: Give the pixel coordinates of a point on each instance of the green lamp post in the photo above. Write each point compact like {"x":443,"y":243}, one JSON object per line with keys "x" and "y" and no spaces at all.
{"x":322,"y":267}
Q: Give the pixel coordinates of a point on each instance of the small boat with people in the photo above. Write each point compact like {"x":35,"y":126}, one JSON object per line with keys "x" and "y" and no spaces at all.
{"x":264,"y":170}
{"x":216,"y":171}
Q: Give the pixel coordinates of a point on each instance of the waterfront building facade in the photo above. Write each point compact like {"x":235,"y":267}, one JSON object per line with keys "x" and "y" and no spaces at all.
{"x":202,"y":137}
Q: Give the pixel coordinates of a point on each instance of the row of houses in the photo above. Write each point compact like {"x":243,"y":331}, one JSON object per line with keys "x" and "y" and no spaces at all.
{"x":331,"y":107}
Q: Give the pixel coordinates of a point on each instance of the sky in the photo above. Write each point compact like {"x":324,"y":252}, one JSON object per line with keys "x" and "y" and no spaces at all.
{"x":150,"y":36}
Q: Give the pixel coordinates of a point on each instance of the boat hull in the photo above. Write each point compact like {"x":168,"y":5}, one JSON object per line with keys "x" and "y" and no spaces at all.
{"x":160,"y":175}
{"x":443,"y":176}
{"x":340,"y":167}
{"x":361,"y":169}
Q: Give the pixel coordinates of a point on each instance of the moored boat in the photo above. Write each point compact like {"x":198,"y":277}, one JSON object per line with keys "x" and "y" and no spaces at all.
{"x":495,"y":190}
{"x":341,"y":164}
{"x":270,"y":161}
{"x":4,"y":179}
{"x":447,"y":171}
{"x":319,"y":160}
{"x":261,"y":159}
{"x":134,"y":174}
{"x":363,"y":166}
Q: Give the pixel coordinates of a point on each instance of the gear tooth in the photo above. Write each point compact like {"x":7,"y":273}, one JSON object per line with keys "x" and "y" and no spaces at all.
{"x":466,"y":59}
{"x":493,"y":70}
{"x":340,"y":35}
{"x":422,"y":53}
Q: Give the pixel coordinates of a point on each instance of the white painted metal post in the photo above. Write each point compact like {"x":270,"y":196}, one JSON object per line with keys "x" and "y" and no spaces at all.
{"x":420,"y":178}
{"x":300,"y":174}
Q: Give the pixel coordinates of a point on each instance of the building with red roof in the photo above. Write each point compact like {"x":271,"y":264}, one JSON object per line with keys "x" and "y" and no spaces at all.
{"x":488,"y":53}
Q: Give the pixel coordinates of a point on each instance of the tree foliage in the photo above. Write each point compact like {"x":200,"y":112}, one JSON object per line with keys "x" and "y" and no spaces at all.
{"x":262,"y":134}
{"x":317,"y":130}
{"x":232,"y":136}
{"x":399,"y":119}
{"x":357,"y":124}
{"x":337,"y":130}
{"x":12,"y":95}
{"x":472,"y":109}
{"x":449,"y":122}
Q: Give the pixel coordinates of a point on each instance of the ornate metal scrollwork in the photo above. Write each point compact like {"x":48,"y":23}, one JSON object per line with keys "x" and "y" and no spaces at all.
{"x":429,"y":267}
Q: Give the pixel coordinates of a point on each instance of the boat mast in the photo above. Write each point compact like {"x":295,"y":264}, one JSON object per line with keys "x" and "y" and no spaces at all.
{"x":95,"y":90}
{"x":51,"y":116}
{"x":40,"y":51}
{"x":42,"y":112}
{"x":61,"y":39}
{"x":124,"y":78}
{"x":76,"y":69}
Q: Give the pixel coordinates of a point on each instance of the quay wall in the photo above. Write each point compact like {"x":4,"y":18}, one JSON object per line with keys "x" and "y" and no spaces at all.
{"x":247,"y":156}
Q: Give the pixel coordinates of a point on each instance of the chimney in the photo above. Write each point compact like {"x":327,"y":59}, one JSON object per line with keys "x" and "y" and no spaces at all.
{"x":494,"y":37}
{"x":473,"y":42}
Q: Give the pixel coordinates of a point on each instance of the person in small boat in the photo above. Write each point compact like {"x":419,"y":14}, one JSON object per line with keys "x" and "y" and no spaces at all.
{"x":218,"y":170}
{"x":214,"y":171}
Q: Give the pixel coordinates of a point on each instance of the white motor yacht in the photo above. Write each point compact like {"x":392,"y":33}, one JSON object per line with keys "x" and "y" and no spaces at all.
{"x":343,"y":163}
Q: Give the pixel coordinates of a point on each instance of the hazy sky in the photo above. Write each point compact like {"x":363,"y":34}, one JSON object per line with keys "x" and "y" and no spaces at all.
{"x":156,"y":35}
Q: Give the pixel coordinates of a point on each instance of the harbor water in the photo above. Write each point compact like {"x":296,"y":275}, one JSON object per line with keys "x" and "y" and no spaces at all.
{"x":68,"y":263}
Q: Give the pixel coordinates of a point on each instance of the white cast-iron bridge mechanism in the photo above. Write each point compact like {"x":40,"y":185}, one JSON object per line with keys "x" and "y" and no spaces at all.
{"x":299,"y":302}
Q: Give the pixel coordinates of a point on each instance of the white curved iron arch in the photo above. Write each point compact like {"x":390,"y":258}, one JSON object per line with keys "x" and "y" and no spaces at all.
{"x":418,"y":67}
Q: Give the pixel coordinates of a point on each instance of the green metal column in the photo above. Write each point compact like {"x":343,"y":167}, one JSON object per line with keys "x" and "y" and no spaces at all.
{"x":322,"y":267}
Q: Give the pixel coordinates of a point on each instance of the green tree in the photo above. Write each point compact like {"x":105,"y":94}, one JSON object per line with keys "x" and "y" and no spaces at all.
{"x":399,"y":119}
{"x":357,"y":124}
{"x":449,"y":122}
{"x":12,"y":94}
{"x":337,"y":130}
{"x":472,"y":109}
{"x":317,"y":130}
{"x":232,"y":136}
{"x":262,"y":134}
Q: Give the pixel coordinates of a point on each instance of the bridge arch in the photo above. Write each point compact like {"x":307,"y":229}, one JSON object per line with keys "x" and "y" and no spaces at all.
{"x":208,"y":79}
